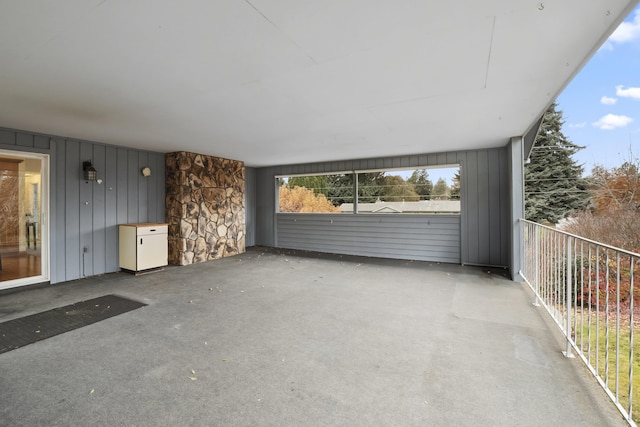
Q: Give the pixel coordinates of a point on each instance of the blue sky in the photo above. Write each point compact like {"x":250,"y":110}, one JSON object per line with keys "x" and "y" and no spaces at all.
{"x":601,"y":105}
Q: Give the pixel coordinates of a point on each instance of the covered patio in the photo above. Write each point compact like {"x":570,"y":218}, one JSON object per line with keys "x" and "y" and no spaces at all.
{"x":276,"y":337}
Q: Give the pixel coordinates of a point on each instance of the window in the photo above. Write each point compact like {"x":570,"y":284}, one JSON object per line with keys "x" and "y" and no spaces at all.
{"x":315,"y":193}
{"x":422,"y":190}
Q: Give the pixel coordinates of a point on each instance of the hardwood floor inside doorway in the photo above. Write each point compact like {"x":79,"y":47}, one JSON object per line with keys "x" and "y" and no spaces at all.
{"x":17,"y":265}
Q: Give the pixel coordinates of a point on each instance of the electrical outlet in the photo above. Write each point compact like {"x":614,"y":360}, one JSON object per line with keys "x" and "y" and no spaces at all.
{"x":85,"y":249}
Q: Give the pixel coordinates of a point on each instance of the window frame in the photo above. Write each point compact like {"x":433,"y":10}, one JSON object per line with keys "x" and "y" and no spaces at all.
{"x":355,"y":189}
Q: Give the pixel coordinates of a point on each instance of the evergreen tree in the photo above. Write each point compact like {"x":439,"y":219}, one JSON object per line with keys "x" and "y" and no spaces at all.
{"x":317,"y":183}
{"x":370,"y":187}
{"x":423,"y":185}
{"x":396,"y":189}
{"x":554,"y":186}
{"x":455,"y":188}
{"x":340,"y":189}
{"x":440,"y":190}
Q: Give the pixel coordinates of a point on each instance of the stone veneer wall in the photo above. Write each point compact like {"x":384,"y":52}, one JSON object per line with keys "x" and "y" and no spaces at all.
{"x":205,"y":207}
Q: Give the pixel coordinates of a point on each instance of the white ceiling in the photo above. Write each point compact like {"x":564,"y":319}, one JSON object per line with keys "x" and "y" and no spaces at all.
{"x":292,"y":81}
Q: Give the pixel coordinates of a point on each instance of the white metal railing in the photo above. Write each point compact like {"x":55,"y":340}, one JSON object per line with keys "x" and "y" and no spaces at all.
{"x":588,"y":288}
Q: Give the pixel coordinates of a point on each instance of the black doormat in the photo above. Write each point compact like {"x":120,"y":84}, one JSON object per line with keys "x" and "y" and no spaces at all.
{"x":29,"y":329}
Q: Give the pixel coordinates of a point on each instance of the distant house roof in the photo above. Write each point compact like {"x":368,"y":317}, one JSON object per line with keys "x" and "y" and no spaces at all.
{"x":423,"y":206}
{"x":385,"y":209}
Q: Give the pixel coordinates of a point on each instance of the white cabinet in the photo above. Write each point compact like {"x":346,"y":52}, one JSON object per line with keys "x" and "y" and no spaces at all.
{"x":142,"y":246}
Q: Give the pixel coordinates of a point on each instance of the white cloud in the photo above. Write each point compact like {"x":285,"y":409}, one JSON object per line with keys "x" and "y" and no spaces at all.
{"x":606,"y":46}
{"x":612,"y":121}
{"x":578,"y":125}
{"x":628,"y":30}
{"x":606,"y":100}
{"x":630,"y":92}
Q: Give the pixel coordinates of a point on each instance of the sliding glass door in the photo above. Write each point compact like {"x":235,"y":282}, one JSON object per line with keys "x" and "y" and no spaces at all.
{"x":24,"y":201}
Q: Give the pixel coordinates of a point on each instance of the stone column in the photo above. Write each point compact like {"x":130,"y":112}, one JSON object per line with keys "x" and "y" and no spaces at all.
{"x":205,"y":207}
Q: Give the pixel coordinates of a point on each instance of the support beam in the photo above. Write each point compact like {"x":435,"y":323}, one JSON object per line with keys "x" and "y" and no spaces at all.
{"x":530,"y":138}
{"x":516,"y":167}
{"x":355,"y":192}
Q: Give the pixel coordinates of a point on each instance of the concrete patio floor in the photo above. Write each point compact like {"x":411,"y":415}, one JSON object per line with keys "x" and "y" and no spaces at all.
{"x":281,"y":338}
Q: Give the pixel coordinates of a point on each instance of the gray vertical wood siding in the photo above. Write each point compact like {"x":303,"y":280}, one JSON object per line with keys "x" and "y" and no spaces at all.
{"x":250,"y":205}
{"x":406,"y":236}
{"x":485,"y":207}
{"x":125,"y":196}
{"x":84,"y":215}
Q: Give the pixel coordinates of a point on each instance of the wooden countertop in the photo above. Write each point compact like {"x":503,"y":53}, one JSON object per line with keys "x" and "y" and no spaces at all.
{"x":146,"y":224}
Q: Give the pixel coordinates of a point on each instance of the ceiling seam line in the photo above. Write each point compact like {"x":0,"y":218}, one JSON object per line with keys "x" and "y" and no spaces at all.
{"x":493,"y":30}
{"x":277,"y":28}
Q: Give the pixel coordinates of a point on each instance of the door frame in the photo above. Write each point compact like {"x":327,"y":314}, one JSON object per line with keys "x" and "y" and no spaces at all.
{"x":45,"y":257}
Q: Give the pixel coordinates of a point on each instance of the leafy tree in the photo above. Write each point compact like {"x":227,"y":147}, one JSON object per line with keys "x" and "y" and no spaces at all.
{"x":554,"y":186}
{"x":617,"y":188}
{"x":396,"y":189}
{"x":454,"y":193}
{"x":423,"y":185}
{"x":440,"y":190}
{"x":301,"y":199}
{"x":318,"y":183}
{"x":615,"y":227}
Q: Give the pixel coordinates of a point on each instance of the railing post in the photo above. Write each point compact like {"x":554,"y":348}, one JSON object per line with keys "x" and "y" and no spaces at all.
{"x":537,"y":255}
{"x":632,"y":327}
{"x":598,"y":267}
{"x":568,"y":288}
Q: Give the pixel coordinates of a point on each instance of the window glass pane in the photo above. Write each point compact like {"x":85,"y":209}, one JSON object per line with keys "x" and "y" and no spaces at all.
{"x":20,"y":217}
{"x":315,"y":193}
{"x":422,"y":190}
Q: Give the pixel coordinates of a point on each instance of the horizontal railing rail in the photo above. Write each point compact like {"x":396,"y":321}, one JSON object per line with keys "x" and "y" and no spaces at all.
{"x":589,"y":290}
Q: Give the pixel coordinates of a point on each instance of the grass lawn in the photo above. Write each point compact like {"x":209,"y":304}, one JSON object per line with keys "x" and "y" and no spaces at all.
{"x":594,"y":348}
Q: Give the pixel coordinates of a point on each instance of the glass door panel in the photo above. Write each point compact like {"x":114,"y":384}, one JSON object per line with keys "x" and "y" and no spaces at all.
{"x":23,"y":222}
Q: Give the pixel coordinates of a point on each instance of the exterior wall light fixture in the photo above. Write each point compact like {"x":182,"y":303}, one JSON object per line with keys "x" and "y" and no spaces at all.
{"x":90,"y":173}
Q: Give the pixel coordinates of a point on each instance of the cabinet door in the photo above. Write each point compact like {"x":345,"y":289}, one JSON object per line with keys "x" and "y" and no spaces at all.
{"x":152,"y":251}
